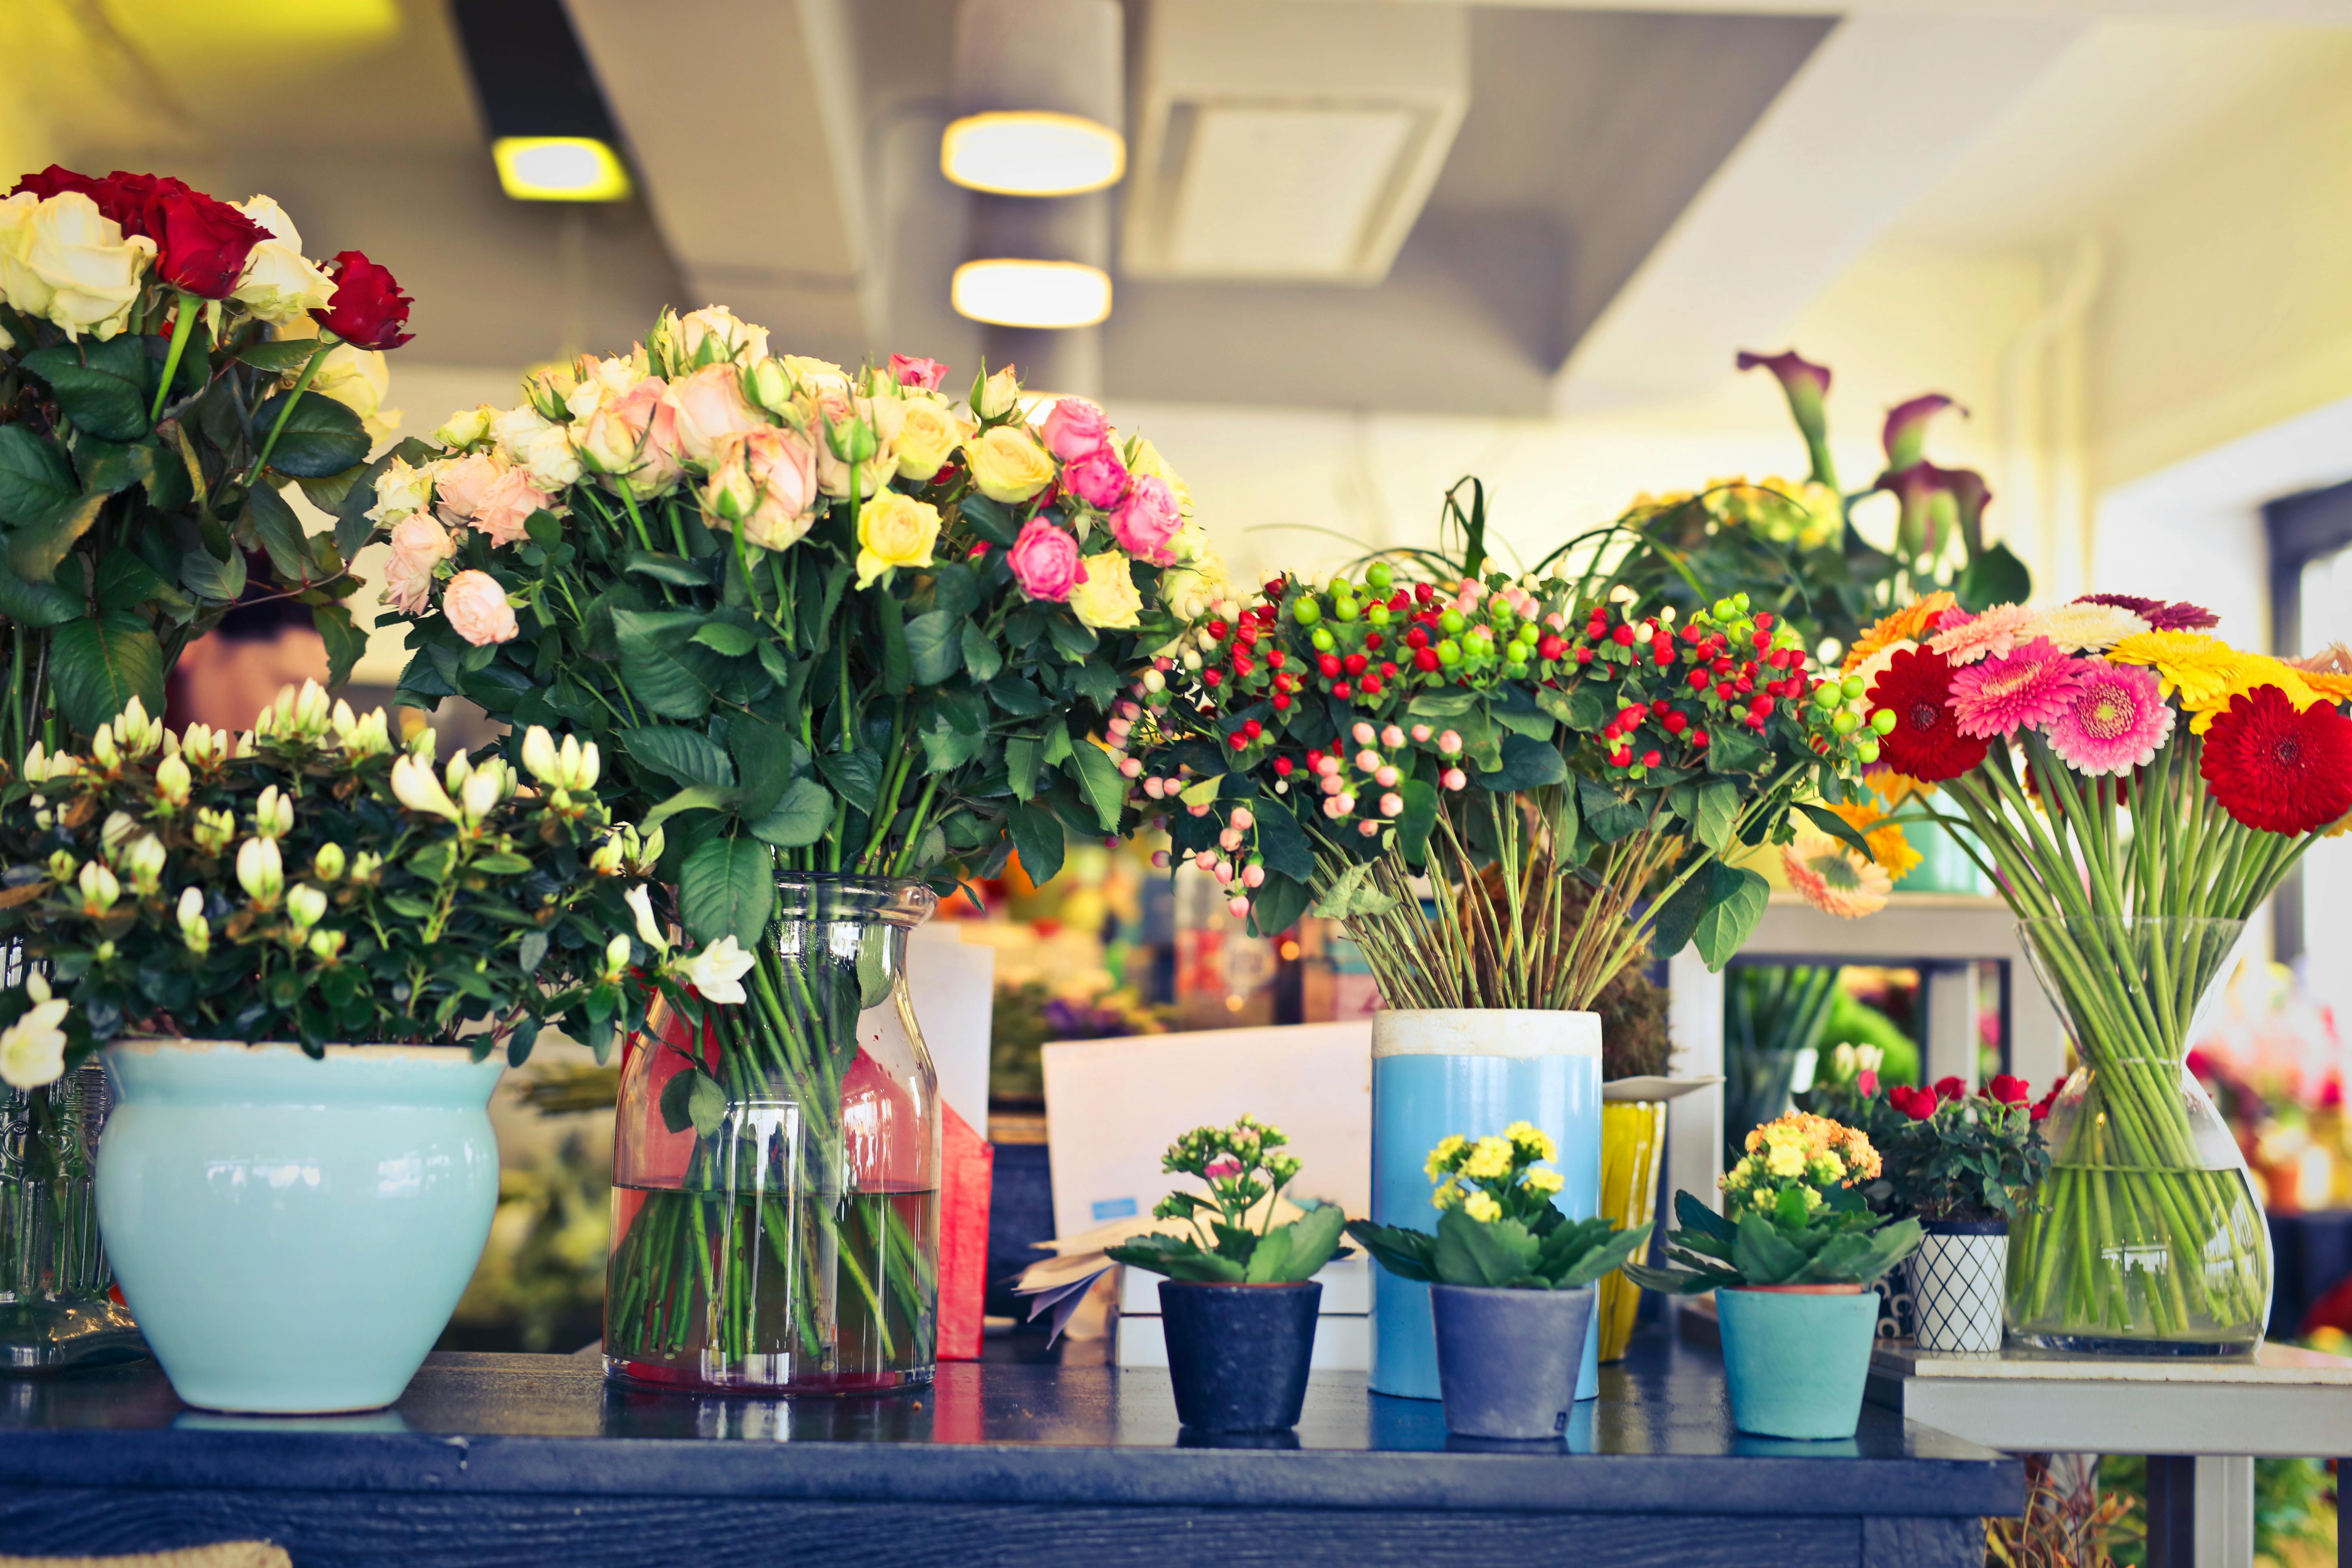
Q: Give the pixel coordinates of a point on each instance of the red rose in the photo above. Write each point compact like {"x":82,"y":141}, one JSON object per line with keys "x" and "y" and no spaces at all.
{"x":200,"y":244}
{"x":1867,"y":1082}
{"x":56,"y":177}
{"x":2008,"y":1090}
{"x":1951,"y":1089}
{"x":1916,"y":1103}
{"x":2199,"y":1064}
{"x":368,"y":310}
{"x":134,"y":200}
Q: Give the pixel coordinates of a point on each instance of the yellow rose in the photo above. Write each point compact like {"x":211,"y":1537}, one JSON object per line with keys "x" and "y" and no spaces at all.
{"x":928,"y":439}
{"x":1008,"y":466}
{"x":1107,"y":597}
{"x":894,"y":530}
{"x":63,"y":260}
{"x":358,"y":379}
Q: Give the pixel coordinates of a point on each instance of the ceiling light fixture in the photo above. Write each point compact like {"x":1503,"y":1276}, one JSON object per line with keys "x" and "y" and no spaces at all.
{"x":560,"y":169}
{"x":1010,"y":292}
{"x":1032,"y":152}
{"x":1041,"y":94}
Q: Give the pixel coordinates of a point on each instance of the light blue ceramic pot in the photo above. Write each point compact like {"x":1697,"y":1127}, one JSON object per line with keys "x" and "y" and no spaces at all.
{"x":1796,"y":1362}
{"x":292,"y":1234}
{"x":1473,"y":1071}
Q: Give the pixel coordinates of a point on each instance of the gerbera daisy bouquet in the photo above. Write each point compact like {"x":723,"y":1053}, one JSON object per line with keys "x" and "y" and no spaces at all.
{"x":2136,"y":787}
{"x":1572,"y":775}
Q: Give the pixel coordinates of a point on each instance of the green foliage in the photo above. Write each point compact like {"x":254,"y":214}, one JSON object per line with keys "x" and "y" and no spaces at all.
{"x":1497,"y":1225}
{"x":1245,"y":1176}
{"x":1838,"y":1243}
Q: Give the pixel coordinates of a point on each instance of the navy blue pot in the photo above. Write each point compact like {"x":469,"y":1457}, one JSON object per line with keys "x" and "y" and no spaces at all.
{"x":1238,"y":1353}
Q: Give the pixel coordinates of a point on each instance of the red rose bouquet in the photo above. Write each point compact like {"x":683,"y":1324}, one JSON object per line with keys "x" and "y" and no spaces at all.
{"x":2137,"y":788}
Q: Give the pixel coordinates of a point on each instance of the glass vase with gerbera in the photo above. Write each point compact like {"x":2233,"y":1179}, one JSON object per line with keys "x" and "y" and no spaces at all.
{"x":2137,"y":788}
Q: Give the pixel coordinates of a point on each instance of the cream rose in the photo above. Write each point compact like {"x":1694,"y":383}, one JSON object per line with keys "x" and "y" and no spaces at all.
{"x":709,"y":407}
{"x":463,"y":483}
{"x":1007,"y":465}
{"x":507,"y":504}
{"x":632,"y":438}
{"x":815,"y":376}
{"x":61,"y":259}
{"x":418,"y":545}
{"x":928,"y":439}
{"x":714,"y":334}
{"x":466,"y":428}
{"x":515,"y":430}
{"x":402,"y":489}
{"x":1107,"y":597}
{"x":477,"y":609}
{"x":893,"y":530}
{"x":999,"y":396}
{"x":279,"y":283}
{"x":359,"y":380}
{"x":883,"y":415}
{"x":554,"y":465}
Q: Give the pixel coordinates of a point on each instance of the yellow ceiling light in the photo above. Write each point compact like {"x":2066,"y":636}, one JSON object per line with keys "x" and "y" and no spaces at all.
{"x":1012,"y":293}
{"x":1032,"y":152}
{"x":560,"y":169}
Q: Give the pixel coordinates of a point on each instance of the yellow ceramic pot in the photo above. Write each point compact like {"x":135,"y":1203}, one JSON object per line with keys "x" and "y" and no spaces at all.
{"x":1632,"y":1132}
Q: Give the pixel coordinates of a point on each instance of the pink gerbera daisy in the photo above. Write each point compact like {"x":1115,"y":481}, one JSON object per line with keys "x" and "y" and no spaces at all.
{"x":1964,"y":639}
{"x":2113,"y":721}
{"x":2018,"y":690}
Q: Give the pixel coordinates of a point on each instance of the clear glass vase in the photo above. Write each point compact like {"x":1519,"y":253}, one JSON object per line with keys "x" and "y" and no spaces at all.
{"x":56,"y":1309}
{"x":2148,"y":1238}
{"x":775,"y":1181}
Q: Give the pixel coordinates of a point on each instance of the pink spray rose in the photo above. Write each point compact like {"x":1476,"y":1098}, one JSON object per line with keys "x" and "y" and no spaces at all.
{"x":634,"y":433}
{"x":507,"y":504}
{"x":1147,"y":520}
{"x":464,"y":482}
{"x":1074,"y":428}
{"x":709,"y":406}
{"x":764,"y":480}
{"x":1099,"y":479}
{"x":1045,"y":562}
{"x":926,"y":373}
{"x":477,"y":609}
{"x":418,"y":544}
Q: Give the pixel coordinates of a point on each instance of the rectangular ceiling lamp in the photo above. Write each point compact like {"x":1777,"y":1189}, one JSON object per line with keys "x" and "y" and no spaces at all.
{"x":551,"y":136}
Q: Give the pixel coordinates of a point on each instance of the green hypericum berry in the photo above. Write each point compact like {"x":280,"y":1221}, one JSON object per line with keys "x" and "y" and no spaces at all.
{"x":1379,"y":576}
{"x":1883,"y":721}
{"x":1853,"y":687}
{"x":1867,"y":752}
{"x":1344,"y":610}
{"x":1450,"y":622}
{"x":1322,"y":639}
{"x":1846,"y":722}
{"x":1449,"y":652}
{"x":1828,"y":694}
{"x":1378,"y":615}
{"x":1307,"y":612}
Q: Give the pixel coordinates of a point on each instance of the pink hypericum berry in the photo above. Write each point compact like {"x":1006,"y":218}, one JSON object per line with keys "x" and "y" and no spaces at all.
{"x":1391,"y":737}
{"x":1368,"y":827}
{"x":1331,"y":785}
{"x":1391,"y":805}
{"x":1450,"y":742}
{"x":1420,"y":732}
{"x":1386,"y":777}
{"x":1327,"y":766}
{"x":1205,"y":858}
{"x":1368,"y":761}
{"x":1130,"y":768}
{"x":1454,"y":778}
{"x":1243,"y":820}
{"x":1238,"y":907}
{"x":1159,"y":859}
{"x":1253,"y":876}
{"x":1225,"y":872}
{"x":1364,"y":733}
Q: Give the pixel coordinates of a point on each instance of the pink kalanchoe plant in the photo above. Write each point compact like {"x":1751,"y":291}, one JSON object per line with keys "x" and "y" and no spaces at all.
{"x":2024,"y":688}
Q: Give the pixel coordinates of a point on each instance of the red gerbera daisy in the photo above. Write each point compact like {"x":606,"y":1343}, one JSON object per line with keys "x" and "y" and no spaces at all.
{"x":2277,"y":769}
{"x":1925,"y":742}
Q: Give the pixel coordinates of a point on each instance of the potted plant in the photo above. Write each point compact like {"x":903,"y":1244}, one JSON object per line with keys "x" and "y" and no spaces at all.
{"x":1435,"y":754}
{"x":852,"y":640}
{"x":1965,"y":1164}
{"x":304,"y":956}
{"x":1789,"y":1261}
{"x":1240,"y":1298}
{"x":1510,"y":1281}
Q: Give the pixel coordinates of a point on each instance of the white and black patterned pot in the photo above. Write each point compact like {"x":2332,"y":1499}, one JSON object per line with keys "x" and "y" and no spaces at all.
{"x":1959,"y":1279}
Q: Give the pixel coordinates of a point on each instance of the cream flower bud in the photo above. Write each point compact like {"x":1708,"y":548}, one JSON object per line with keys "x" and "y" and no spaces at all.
{"x":119,"y":829}
{"x":194,"y":931}
{"x":649,"y":931}
{"x":305,"y":906}
{"x":260,"y":872}
{"x":137,"y":735}
{"x":466,"y":428}
{"x":327,"y":864}
{"x":998,"y":397}
{"x":173,"y":781}
{"x":214,"y":830}
{"x":326,"y":946}
{"x":414,"y":785}
{"x":142,"y":862}
{"x":617,"y":958}
{"x":605,"y":859}
{"x":103,"y":750}
{"x":61,"y":866}
{"x":273,"y":814}
{"x":481,"y":793}
{"x":365,"y":865}
{"x":539,"y":753}
{"x":98,"y":888}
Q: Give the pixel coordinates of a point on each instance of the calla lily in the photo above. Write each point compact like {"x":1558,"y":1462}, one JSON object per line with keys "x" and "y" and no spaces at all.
{"x":1936,"y":503}
{"x":649,"y":931}
{"x":1906,"y":436}
{"x":1806,"y":384}
{"x":717,"y":971}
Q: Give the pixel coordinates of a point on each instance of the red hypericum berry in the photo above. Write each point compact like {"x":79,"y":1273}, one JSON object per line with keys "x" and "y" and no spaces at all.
{"x":1255,"y":728}
{"x":1328,"y":664}
{"x":1690,"y":634}
{"x":1743,"y":685}
{"x":1416,"y":636}
{"x":1621,"y":759}
{"x":1760,"y":705}
{"x":1372,"y":641}
{"x":1282,"y":767}
{"x":1675,"y":723}
{"x":1550,"y":646}
{"x":1281,"y":703}
{"x":1372,"y":686}
{"x":1388,"y":670}
{"x":1213,"y":677}
{"x":1339,"y":689}
{"x":1274,"y":586}
{"x":1720,"y":665}
{"x":1423,"y":592}
{"x":1354,"y":664}
{"x":1237,"y":740}
{"x":1313,"y":756}
{"x":1651,"y":759}
{"x":1276,"y":657}
{"x":1216,"y":630}
{"x":1698,"y":738}
{"x":1665,"y":654}
{"x":1424,"y":659}
{"x":1622,"y":637}
{"x":1724,"y":693}
{"x":1400,"y":600}
{"x":1584,"y":655}
{"x":1698,"y":680}
{"x":1244,"y":664}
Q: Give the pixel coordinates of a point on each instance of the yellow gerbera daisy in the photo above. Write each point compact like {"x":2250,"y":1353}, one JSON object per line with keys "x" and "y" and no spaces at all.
{"x":2196,"y":667}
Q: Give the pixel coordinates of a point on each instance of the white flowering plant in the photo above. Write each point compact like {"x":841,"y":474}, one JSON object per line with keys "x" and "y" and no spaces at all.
{"x":1233,"y":1239}
{"x":314,"y":881}
{"x":172,"y":368}
{"x":1497,"y":1225}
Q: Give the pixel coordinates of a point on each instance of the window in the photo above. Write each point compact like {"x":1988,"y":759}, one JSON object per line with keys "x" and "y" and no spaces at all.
{"x":2311,"y":607}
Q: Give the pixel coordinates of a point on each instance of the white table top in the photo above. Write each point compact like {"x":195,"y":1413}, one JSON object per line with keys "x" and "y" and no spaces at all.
{"x":2271,"y":1365}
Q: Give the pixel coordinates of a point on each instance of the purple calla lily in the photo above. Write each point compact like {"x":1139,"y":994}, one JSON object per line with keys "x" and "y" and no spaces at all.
{"x":1805,"y":385}
{"x":1906,"y":437}
{"x":1936,"y":502}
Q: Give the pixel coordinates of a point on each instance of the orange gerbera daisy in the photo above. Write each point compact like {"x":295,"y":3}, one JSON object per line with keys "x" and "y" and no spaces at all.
{"x":1906,"y":624}
{"x":1888,"y":844}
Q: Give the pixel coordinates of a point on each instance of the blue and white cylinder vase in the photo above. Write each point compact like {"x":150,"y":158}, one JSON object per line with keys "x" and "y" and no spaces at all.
{"x":1473,"y":1071}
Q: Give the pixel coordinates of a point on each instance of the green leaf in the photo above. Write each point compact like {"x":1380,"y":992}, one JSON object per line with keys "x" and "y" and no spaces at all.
{"x":1470,"y":1252}
{"x":1277,"y":905}
{"x":1407,"y":1254}
{"x":346,"y":642}
{"x":36,"y":604}
{"x":1836,"y":826}
{"x":222,"y":581}
{"x":662,"y":670}
{"x":1314,"y":1236}
{"x":101,"y":388}
{"x":728,"y":887}
{"x":1037,"y":839}
{"x":1021,"y":765}
{"x":1074,"y":640}
{"x":1995,"y":577}
{"x":1526,"y":764}
{"x":725,"y":639}
{"x":100,"y":663}
{"x":1731,"y":913}
{"x":1099,"y":782}
{"x":281,"y":358}
{"x":1606,"y":817}
{"x":1418,"y":819}
{"x":669,"y":569}
{"x":1762,"y":1254}
{"x":934,"y":646}
{"x":947,"y":748}
{"x":37,"y":483}
{"x":1717,"y":814}
{"x":125,"y":581}
{"x":988,"y":519}
{"x":1734,"y":751}
{"x":1605,"y":1258}
{"x":35,"y":552}
{"x":1352,"y":894}
{"x":280,"y":532}
{"x":766,"y":758}
{"x":696,"y":797}
{"x":328,"y":494}
{"x":799,"y":818}
{"x":1016,"y":695}
{"x":979,"y":653}
{"x":1269,"y":1258}
{"x":1282,"y":843}
{"x":321,"y":436}
{"x":681,"y":755}
{"x":856,"y":776}
{"x":164,"y":475}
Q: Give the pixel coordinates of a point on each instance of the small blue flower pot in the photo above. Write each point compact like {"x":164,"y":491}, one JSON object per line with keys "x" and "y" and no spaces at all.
{"x":1796,"y":1359}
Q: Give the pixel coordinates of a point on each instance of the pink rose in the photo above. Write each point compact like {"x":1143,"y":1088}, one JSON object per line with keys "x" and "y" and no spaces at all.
{"x":709,"y":406}
{"x":418,"y":544}
{"x":765,"y":481}
{"x":1099,"y":479}
{"x":477,"y":609}
{"x":507,"y":504}
{"x":418,"y":535}
{"x":926,"y":373}
{"x":463,"y":482}
{"x":1045,"y":562}
{"x":1074,"y":428}
{"x":1147,"y":520}
{"x":635,"y":434}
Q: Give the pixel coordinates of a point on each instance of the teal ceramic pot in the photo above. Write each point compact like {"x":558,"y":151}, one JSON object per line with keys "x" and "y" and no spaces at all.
{"x":292,"y":1234}
{"x":1796,"y":1359}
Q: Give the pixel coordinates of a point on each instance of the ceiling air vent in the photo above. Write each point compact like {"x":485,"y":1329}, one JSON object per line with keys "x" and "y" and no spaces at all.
{"x":1288,"y":141}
